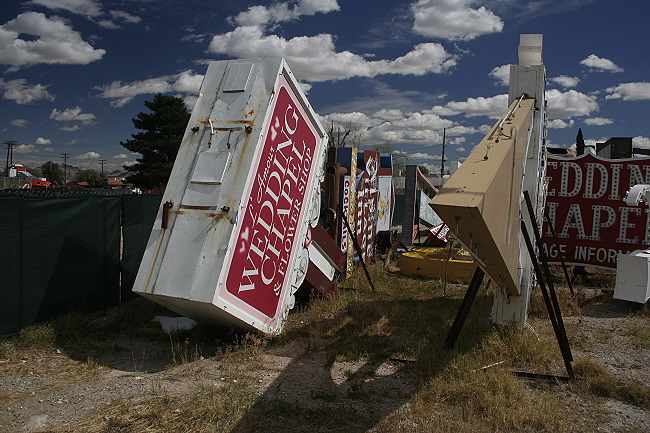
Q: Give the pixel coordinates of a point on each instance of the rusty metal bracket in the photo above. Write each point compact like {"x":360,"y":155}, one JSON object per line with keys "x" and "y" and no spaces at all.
{"x":165,"y":213}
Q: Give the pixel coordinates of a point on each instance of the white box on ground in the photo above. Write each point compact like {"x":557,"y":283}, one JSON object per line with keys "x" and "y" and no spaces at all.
{"x":632,"y":277}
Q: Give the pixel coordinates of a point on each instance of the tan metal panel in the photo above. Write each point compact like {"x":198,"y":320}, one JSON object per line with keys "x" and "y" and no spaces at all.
{"x":481,"y":201}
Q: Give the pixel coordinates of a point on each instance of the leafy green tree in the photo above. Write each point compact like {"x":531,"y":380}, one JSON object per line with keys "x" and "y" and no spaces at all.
{"x":158,"y":143}
{"x":94,"y":179}
{"x":52,"y":171}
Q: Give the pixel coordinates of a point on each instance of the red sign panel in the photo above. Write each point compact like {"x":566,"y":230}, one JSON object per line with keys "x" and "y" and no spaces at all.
{"x":345,"y":203}
{"x":438,"y":232}
{"x":367,"y":205}
{"x":585,"y":203}
{"x":262,"y":257}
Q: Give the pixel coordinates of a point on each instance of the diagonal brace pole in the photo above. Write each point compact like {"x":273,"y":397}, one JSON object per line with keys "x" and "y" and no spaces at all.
{"x":559,"y":254}
{"x":462,"y":314}
{"x":357,"y":247}
{"x":564,"y":348}
{"x":549,"y":279}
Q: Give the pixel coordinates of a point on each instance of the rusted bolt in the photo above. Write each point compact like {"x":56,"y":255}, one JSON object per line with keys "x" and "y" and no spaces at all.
{"x":249,"y":129}
{"x":226,"y":208}
{"x":195,"y":129}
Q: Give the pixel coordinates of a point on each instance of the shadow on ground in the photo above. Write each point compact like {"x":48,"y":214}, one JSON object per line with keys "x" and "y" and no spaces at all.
{"x":127,"y":338}
{"x":381,"y":355}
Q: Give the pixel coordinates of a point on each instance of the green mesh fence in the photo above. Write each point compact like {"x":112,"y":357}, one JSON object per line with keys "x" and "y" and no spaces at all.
{"x":138,"y":215}
{"x":62,"y":252}
{"x":10,"y":277}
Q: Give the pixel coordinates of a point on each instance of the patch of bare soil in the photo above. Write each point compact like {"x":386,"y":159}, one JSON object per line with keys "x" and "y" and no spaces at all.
{"x":299,"y":388}
{"x":613,"y":333}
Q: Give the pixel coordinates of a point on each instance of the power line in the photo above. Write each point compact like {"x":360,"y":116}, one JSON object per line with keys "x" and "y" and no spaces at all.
{"x":102,"y":161}
{"x":442,"y":159}
{"x":65,"y":168}
{"x":10,"y":154}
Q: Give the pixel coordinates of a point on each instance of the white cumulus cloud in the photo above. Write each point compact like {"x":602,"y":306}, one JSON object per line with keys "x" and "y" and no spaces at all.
{"x":56,"y":42}
{"x":25,"y":148}
{"x":453,"y":19}
{"x":600,"y":64}
{"x":121,"y":156}
{"x":20,"y":123}
{"x":396,"y":127}
{"x":41,"y":140}
{"x":389,"y":114}
{"x":72,"y":115}
{"x":108,"y":24}
{"x":561,"y":105}
{"x":125,"y":16}
{"x":117,"y":15}
{"x":565,"y":105}
{"x":598,"y":121}
{"x":565,"y":81}
{"x":21,"y":92}
{"x":423,"y":59}
{"x":641,"y":142}
{"x":501,"y":74}
{"x":560,"y":124}
{"x":120,"y":93}
{"x":355,"y":119}
{"x":417,"y":155}
{"x":314,"y":58}
{"x":426,"y":121}
{"x":493,"y":106}
{"x":88,"y":155}
{"x":87,"y":8}
{"x":629,"y":91}
{"x":281,"y":12}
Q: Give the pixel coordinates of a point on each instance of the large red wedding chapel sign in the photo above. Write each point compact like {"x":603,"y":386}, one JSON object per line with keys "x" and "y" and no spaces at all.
{"x":585,"y":204}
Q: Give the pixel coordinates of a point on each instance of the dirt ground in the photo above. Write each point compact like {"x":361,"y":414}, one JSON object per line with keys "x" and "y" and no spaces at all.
{"x":38,"y":399}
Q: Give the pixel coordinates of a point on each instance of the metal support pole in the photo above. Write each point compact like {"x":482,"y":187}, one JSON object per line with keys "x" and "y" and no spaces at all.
{"x":357,"y":247}
{"x":559,"y":254}
{"x":468,"y":300}
{"x":561,"y":338}
{"x":547,"y":271}
{"x":410,"y":212}
{"x":442,"y":160}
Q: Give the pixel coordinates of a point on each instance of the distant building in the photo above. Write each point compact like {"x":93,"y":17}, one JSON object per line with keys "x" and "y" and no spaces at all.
{"x":615,"y":148}
{"x":560,"y":151}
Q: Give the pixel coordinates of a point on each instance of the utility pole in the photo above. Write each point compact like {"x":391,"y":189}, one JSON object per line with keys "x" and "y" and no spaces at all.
{"x":65,"y":169}
{"x":102,"y":161}
{"x":10,"y":154}
{"x":442,"y":162}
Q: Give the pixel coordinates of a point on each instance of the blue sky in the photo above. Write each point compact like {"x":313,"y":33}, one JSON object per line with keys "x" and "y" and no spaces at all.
{"x":74,"y":72}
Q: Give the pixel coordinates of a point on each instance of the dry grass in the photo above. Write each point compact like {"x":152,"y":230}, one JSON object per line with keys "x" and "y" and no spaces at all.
{"x":596,"y":380}
{"x":209,"y":408}
{"x":33,"y":353}
{"x":485,"y":401}
{"x":408,"y":318}
{"x":467,"y":389}
{"x":638,"y":331}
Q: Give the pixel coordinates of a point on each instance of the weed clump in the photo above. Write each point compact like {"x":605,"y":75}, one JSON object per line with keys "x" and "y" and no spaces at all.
{"x":37,"y":338}
{"x":598,"y":381}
